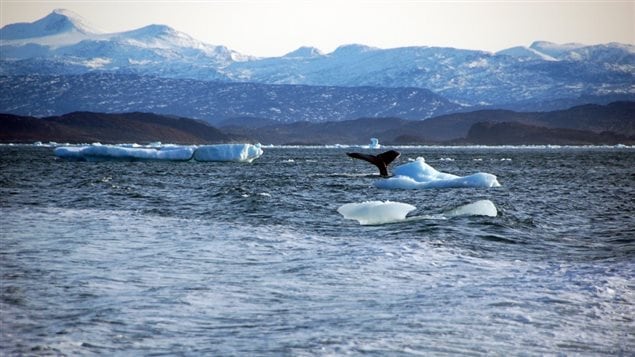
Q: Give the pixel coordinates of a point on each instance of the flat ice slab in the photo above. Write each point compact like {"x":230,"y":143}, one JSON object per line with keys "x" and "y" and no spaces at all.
{"x":376,"y":212}
{"x":221,"y":152}
{"x":115,"y":152}
{"x":419,"y":175}
{"x":478,"y":208}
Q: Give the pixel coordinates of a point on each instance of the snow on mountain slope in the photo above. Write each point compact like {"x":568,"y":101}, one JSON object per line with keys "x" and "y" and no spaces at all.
{"x":59,"y":28}
{"x":525,"y":53}
{"x":61,"y":44}
{"x":304,"y":52}
{"x":465,"y":76}
{"x":57,"y":22}
{"x":615,"y":53}
{"x":64,"y":38}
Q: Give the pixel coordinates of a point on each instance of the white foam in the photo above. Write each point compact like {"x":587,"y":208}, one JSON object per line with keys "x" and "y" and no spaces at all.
{"x":419,"y":175}
{"x":478,"y":208}
{"x":228,"y":152}
{"x":376,"y":212}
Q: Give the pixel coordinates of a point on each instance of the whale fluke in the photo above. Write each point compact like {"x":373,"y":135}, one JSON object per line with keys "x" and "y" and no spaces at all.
{"x":381,"y":161}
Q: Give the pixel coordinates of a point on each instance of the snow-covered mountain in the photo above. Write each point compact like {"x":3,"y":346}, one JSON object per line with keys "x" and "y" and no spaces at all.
{"x":540,"y":72}
{"x":59,"y":22}
{"x":62,"y":43}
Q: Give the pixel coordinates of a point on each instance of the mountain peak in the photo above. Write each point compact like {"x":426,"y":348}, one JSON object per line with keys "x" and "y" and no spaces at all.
{"x":59,"y":21}
{"x":150,"y":31}
{"x":525,"y":53}
{"x":352,"y":49}
{"x":555,"y":50}
{"x":304,"y":52}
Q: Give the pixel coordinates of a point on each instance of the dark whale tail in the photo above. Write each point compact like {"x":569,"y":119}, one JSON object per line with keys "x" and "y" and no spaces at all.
{"x":381,"y":161}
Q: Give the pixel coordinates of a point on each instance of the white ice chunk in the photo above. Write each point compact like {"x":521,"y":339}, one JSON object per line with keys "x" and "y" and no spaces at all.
{"x":376,"y":212}
{"x":478,"y":208}
{"x":419,"y":175}
{"x":228,"y":152}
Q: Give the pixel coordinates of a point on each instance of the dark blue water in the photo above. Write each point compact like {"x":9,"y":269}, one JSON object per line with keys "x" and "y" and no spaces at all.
{"x":121,"y":258}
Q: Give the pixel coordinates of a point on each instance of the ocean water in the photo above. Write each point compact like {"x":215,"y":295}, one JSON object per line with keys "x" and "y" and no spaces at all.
{"x":190,"y":258}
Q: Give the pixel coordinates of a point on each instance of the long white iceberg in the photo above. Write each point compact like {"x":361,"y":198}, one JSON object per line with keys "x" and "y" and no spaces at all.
{"x":419,"y":175}
{"x":228,"y":152}
{"x":221,"y":152}
{"x":69,"y":152}
{"x":114,"y":152}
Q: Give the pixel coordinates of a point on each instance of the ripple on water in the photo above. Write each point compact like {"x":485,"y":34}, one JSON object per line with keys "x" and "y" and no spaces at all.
{"x":205,"y":258}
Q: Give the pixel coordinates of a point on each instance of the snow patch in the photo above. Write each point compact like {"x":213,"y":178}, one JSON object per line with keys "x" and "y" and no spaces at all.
{"x":98,"y":62}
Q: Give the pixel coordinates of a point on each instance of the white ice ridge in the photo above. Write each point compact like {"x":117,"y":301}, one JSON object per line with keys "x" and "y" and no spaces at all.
{"x":378,"y":212}
{"x":222,"y":152}
{"x":418,"y":174}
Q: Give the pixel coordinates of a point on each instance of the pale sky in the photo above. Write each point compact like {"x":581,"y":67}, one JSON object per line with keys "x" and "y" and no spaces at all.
{"x":276,"y":27}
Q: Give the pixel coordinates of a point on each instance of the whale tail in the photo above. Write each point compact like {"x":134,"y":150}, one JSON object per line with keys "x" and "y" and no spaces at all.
{"x":381,"y":161}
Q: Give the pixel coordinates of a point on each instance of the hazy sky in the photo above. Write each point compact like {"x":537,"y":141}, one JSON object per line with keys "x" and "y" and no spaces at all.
{"x":275,"y":27}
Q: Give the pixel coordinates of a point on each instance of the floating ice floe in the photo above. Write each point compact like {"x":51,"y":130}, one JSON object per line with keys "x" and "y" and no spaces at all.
{"x":69,"y":152}
{"x":419,"y":175}
{"x":478,"y":208}
{"x":378,"y":212}
{"x":222,"y":152}
{"x":374,"y":143}
{"x":228,"y":152}
{"x":100,"y":152}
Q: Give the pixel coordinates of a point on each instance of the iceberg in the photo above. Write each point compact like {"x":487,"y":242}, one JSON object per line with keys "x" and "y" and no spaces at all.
{"x":228,"y":152}
{"x":419,"y":175}
{"x":69,"y":152}
{"x":376,"y":212}
{"x":478,"y":208}
{"x":112,"y":152}
{"x":157,"y":151}
{"x":374,"y":143}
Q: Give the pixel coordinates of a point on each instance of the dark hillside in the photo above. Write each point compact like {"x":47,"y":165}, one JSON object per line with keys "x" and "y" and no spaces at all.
{"x":83,"y":127}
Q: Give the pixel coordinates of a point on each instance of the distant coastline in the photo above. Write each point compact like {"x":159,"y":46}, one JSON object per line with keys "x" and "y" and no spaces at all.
{"x":581,"y":125}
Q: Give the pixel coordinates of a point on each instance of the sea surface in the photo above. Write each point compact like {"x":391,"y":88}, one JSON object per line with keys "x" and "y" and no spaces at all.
{"x":229,"y":259}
